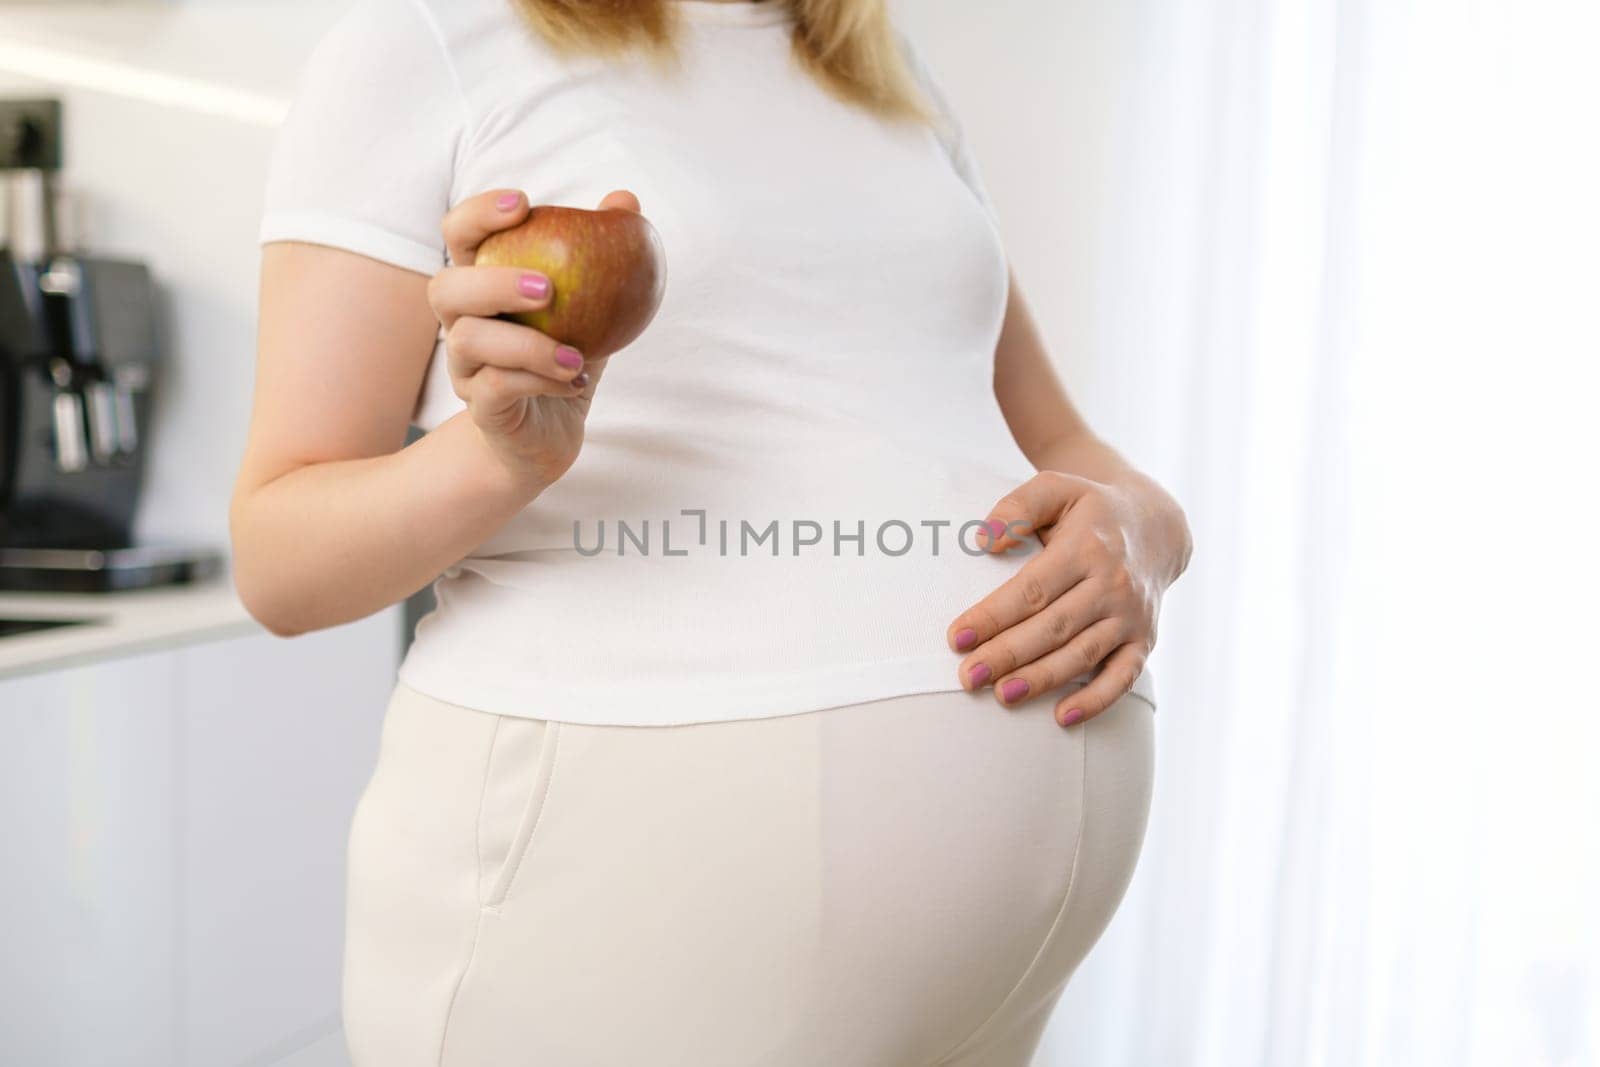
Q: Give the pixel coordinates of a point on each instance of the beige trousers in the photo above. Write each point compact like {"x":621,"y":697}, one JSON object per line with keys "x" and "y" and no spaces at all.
{"x":905,"y":883}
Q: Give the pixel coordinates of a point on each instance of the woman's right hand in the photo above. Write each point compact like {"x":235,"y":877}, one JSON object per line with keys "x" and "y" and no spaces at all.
{"x":527,"y":394}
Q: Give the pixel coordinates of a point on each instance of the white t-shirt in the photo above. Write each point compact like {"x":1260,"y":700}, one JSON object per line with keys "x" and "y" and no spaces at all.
{"x":774,"y":510}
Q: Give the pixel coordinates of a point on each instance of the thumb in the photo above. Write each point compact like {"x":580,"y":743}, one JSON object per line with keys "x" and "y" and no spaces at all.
{"x":1031,"y":507}
{"x":621,"y":200}
{"x":593,"y":368}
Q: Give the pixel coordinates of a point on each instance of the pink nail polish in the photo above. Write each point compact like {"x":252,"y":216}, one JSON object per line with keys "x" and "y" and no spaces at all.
{"x":569,"y":357}
{"x":1014,"y":690}
{"x":966,"y":638}
{"x":581,"y":381}
{"x":1072,"y":716}
{"x":509,"y":201}
{"x":997,"y":529}
{"x":536,"y":286}
{"x":979,"y":674}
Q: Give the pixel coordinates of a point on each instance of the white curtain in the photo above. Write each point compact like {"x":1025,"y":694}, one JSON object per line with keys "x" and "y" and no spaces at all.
{"x":1342,"y":290}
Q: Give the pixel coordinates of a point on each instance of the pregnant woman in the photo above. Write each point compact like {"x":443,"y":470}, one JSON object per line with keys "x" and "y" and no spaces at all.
{"x":784,"y":703}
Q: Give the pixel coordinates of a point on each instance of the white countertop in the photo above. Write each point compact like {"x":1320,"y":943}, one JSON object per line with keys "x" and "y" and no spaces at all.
{"x":123,"y":623}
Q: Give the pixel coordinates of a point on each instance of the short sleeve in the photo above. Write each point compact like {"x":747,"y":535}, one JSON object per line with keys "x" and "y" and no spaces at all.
{"x":948,"y":129}
{"x":365,"y":159}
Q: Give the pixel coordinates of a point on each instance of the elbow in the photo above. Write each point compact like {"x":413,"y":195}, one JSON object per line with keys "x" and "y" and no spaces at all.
{"x":269,"y":611}
{"x":280,"y":630}
{"x":254,"y":583}
{"x":276,"y":625}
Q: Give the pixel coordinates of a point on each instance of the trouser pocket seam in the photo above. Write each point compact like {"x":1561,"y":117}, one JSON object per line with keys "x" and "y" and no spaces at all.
{"x":532,"y":818}
{"x":477,"y":922}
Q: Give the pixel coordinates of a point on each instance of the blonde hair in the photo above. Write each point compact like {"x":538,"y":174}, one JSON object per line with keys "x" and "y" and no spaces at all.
{"x":849,"y":46}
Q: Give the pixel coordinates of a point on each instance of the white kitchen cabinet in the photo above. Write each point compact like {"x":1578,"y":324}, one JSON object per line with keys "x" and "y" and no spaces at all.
{"x":89,"y":836}
{"x":172,"y":827}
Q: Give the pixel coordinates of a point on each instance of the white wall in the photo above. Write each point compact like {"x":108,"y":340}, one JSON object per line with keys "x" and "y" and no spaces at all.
{"x":1086,"y":119}
{"x":169,"y":124}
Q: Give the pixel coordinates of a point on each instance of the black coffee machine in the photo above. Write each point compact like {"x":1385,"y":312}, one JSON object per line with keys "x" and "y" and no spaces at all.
{"x":79,"y":354}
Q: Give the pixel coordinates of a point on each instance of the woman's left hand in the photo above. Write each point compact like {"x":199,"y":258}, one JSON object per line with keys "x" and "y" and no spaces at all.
{"x":1087,"y":603}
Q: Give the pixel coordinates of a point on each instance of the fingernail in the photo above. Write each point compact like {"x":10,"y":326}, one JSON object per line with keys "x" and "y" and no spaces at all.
{"x":966,"y":638}
{"x":979,"y":674}
{"x":581,"y":381}
{"x":509,"y":201}
{"x":534,"y":285}
{"x":1071,"y":716}
{"x":569,"y":357}
{"x":1014,"y":690}
{"x":997,"y":529}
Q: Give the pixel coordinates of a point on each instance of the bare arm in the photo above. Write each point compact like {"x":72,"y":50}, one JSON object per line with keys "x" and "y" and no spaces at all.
{"x":1115,"y":540}
{"x":332,"y":519}
{"x":1054,"y":436}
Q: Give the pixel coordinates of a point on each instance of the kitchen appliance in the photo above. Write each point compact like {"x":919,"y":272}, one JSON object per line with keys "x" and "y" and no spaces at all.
{"x":79,"y":355}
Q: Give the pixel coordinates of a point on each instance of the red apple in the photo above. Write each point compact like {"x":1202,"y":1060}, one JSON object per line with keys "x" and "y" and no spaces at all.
{"x":607,"y":267}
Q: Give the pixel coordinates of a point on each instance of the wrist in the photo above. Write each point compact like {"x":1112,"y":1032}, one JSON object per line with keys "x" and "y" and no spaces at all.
{"x":486,"y":473}
{"x":1167,"y":531}
{"x":1155,"y":525}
